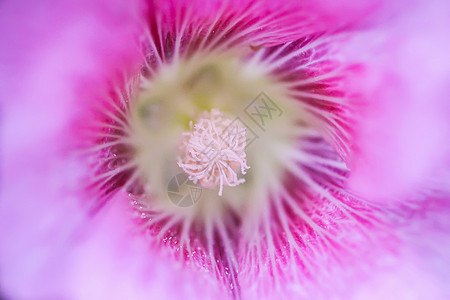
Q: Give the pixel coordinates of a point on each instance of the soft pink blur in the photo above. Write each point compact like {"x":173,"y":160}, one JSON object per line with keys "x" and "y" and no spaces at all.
{"x":403,"y":127}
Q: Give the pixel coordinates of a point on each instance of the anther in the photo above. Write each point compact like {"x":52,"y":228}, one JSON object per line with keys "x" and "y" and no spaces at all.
{"x":213,"y":151}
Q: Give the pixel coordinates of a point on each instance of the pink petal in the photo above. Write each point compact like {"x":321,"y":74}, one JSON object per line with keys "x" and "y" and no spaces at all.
{"x":59,"y":58}
{"x":400,"y":142}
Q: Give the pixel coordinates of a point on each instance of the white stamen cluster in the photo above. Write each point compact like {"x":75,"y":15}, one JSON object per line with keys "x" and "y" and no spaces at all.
{"x":212,"y":152}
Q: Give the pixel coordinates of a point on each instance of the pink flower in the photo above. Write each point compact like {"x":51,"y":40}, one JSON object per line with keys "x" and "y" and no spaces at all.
{"x":341,"y":190}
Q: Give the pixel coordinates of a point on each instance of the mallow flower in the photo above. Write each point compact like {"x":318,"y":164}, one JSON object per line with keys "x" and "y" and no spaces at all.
{"x":226,"y":149}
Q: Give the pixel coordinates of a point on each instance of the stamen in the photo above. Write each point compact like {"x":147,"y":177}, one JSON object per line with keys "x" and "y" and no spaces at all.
{"x":212,"y":152}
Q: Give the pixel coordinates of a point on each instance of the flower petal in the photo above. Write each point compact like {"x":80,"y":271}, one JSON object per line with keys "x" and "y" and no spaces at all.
{"x":50,"y":246}
{"x":400,"y":141}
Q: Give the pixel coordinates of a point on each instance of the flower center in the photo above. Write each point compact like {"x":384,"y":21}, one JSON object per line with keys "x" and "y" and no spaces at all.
{"x":213,"y":151}
{"x":207,"y":119}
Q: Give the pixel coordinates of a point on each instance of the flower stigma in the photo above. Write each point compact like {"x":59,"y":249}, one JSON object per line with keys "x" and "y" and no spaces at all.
{"x":213,"y":151}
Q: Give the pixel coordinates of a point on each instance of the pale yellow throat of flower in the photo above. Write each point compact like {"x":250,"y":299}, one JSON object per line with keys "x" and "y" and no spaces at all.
{"x":219,"y":122}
